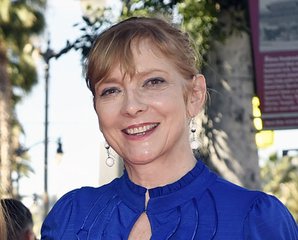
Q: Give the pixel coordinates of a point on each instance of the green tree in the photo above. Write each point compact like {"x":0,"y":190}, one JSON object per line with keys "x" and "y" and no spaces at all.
{"x":19,"y":21}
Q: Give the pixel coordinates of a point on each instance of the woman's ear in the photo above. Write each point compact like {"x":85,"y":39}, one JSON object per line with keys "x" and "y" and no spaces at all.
{"x":196,"y":95}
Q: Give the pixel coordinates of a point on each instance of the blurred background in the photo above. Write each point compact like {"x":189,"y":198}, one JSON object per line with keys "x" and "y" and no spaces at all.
{"x":50,"y":142}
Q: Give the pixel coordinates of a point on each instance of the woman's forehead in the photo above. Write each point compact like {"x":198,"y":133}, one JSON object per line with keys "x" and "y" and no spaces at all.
{"x":139,"y":45}
{"x":144,"y":56}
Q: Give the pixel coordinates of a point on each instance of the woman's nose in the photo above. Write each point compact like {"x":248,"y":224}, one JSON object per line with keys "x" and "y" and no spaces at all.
{"x":133,"y":103}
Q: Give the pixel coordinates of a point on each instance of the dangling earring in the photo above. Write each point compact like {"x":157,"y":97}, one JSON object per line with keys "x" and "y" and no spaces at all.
{"x":110,"y":161}
{"x":194,"y":144}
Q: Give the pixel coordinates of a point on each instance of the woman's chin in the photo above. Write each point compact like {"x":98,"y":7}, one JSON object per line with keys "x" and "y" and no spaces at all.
{"x":139,"y":160}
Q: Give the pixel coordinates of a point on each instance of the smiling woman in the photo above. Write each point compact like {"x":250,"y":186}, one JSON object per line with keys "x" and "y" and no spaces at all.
{"x":144,"y":115}
{"x":143,"y":76}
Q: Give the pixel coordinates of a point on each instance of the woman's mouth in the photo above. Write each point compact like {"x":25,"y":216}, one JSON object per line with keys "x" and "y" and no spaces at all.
{"x":140,"y":130}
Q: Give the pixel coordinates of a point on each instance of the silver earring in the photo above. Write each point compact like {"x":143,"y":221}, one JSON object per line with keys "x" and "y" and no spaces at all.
{"x":110,"y":161}
{"x":194,"y":144}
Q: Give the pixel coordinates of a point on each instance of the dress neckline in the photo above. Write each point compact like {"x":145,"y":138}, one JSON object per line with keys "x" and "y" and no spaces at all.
{"x":166,"y":189}
{"x":168,"y":196}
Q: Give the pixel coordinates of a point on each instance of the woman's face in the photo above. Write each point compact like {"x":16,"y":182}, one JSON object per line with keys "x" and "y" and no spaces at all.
{"x":144,"y":117}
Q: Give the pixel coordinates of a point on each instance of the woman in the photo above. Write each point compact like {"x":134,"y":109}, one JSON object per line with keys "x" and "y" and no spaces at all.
{"x":143,"y":75}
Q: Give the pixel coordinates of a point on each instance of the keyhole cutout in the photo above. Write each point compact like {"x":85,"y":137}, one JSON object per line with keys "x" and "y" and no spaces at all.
{"x":142,"y":229}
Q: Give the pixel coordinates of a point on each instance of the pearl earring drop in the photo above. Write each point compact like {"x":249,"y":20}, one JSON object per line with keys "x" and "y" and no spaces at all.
{"x":110,"y":161}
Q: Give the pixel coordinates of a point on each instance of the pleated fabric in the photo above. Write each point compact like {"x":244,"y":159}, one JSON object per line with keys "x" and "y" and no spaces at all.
{"x":199,"y":206}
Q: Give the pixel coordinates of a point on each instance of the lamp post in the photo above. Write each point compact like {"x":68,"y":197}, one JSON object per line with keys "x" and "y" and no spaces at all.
{"x":47,"y":55}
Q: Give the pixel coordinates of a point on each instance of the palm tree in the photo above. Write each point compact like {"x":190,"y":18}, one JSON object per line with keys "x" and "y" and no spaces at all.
{"x":19,"y":21}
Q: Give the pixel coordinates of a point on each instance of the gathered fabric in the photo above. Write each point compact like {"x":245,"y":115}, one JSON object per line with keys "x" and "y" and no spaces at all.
{"x":200,"y":205}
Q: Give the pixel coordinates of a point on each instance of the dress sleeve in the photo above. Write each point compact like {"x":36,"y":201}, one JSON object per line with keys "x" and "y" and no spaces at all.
{"x":58,"y":219}
{"x":268,"y":218}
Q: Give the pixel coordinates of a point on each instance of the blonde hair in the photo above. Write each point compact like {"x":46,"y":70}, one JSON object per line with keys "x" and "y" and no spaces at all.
{"x":113,"y":46}
{"x":3,"y":229}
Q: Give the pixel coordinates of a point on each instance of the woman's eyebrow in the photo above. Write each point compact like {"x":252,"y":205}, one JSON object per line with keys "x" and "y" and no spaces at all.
{"x":149,"y":71}
{"x":138,"y":74}
{"x":108,"y":80}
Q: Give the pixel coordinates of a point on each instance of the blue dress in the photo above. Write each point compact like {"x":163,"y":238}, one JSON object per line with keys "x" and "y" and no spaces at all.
{"x":200,"y":205}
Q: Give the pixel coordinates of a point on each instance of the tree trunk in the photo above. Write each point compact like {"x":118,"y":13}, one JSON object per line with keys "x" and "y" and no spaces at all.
{"x":230,"y":142}
{"x":5,"y":127}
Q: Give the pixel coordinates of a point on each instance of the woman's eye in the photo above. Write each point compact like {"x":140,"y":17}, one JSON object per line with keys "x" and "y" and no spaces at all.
{"x":154,"y":82}
{"x":109,"y":91}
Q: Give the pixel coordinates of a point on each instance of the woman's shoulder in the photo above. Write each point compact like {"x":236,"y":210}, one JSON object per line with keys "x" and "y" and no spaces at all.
{"x":231,"y":197}
{"x":263,"y":215}
{"x":73,"y":207}
{"x":87,"y":195}
{"x":226,"y":193}
{"x":268,"y":217}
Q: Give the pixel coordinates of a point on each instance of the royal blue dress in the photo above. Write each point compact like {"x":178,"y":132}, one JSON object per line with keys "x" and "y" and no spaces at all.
{"x":200,"y":205}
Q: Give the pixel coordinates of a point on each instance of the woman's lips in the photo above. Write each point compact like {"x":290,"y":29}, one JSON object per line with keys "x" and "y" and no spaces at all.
{"x":140,"y":130}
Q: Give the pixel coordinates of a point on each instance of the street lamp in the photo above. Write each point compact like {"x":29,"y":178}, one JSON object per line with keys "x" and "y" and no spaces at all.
{"x":47,"y":56}
{"x":21,"y":150}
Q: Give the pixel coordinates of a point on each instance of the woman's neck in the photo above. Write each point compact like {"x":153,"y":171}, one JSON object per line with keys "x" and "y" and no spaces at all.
{"x":160,"y":173}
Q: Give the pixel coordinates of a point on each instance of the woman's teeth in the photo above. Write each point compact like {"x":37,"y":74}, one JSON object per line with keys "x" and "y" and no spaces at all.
{"x":140,"y":130}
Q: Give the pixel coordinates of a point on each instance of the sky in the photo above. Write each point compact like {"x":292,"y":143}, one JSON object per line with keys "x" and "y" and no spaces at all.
{"x":71,"y":115}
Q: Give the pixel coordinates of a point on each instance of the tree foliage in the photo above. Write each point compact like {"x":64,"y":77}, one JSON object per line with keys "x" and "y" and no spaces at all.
{"x":19,"y":21}
{"x":205,"y":20}
{"x":280,"y":177}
